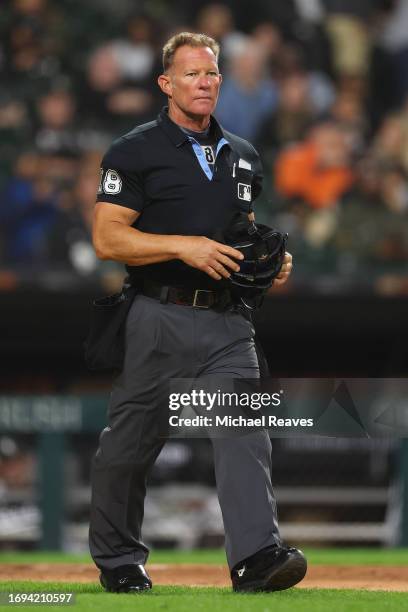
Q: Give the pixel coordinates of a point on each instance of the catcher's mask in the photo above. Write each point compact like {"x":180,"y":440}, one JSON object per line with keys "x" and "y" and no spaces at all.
{"x":264,"y":251}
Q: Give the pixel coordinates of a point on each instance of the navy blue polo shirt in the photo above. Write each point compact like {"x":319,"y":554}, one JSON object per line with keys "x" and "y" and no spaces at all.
{"x":161,"y":172}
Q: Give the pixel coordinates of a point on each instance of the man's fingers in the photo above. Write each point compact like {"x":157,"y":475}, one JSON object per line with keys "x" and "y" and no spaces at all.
{"x":230,"y":263}
{"x":211,"y":272}
{"x":286,"y":268}
{"x":227,"y":250}
{"x":219,"y":268}
{"x":216,"y":270}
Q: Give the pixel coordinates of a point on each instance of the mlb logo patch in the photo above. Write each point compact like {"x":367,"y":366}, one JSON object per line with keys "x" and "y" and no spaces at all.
{"x":244,"y":192}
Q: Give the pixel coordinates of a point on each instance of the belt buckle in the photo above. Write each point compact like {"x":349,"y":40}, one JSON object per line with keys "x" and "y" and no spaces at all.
{"x":196,"y":298}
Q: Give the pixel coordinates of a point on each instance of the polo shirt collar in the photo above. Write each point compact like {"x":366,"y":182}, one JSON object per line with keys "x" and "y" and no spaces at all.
{"x":177,"y":136}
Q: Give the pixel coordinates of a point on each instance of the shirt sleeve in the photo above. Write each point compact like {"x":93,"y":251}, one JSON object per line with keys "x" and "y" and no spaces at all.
{"x":120,"y":181}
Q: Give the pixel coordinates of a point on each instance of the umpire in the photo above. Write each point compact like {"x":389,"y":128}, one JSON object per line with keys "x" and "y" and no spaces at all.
{"x":167,"y":189}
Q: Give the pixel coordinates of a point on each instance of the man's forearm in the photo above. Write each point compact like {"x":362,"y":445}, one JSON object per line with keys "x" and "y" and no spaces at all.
{"x":118,"y":241}
{"x":131,"y":246}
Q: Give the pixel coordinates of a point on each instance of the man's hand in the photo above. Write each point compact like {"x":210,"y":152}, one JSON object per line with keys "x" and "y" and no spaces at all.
{"x":215,"y":259}
{"x":285,"y":270}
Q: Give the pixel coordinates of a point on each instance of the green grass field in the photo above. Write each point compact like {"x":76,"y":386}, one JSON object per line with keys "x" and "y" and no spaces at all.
{"x":322,"y":556}
{"x":183,"y":599}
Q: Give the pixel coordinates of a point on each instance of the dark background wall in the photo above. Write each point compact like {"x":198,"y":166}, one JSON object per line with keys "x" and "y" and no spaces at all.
{"x":42,"y":335}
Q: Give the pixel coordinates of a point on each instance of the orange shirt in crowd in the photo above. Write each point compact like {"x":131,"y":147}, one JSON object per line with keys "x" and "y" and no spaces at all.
{"x":297,"y":174}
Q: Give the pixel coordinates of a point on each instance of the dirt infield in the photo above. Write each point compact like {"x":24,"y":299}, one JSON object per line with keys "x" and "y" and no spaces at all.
{"x":370,"y":577}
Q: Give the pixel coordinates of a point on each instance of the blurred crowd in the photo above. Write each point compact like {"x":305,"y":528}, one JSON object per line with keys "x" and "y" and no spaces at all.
{"x":319,"y":87}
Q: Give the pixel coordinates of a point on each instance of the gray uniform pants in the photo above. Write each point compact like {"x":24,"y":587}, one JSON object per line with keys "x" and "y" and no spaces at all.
{"x":170,"y":341}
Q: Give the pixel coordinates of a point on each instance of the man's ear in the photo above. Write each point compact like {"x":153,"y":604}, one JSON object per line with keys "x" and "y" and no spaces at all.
{"x":165,"y":84}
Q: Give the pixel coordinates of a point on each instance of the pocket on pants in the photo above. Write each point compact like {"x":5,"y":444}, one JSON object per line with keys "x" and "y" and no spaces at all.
{"x":104,"y":345}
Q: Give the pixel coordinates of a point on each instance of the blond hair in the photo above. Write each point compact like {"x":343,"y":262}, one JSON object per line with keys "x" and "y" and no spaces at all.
{"x":189,"y":39}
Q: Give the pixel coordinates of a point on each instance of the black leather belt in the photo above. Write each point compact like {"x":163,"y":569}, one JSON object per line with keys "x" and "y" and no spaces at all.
{"x":198,"y":298}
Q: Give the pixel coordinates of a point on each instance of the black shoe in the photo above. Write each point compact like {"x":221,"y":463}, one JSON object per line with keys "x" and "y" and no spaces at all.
{"x":126,"y":579}
{"x":271,"y":569}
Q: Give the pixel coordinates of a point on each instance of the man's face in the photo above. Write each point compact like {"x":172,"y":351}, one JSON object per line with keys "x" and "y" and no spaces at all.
{"x":193,"y":82}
